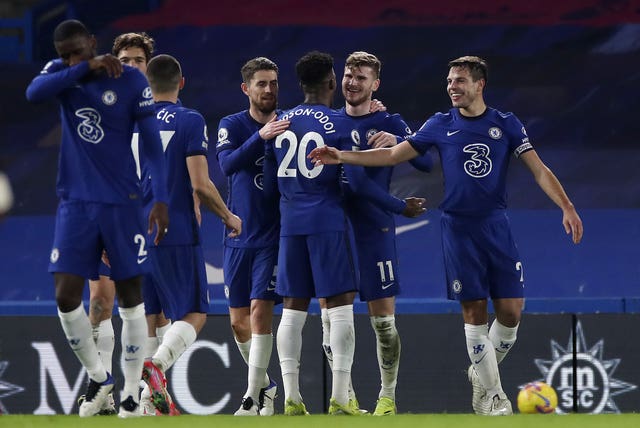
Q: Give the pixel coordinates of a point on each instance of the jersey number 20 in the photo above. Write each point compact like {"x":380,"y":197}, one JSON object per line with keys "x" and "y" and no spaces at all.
{"x":299,"y":148}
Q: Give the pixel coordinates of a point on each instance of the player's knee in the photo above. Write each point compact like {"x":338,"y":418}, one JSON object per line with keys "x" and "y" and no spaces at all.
{"x":241,"y":329}
{"x":262,"y":315}
{"x":509,"y":316}
{"x":129,"y":300}
{"x":197,"y":320}
{"x":129,"y":292}
{"x":387,"y":338}
{"x":511,"y":319}
{"x":100,"y":307}
{"x":67,"y":302}
{"x":384,"y":324}
{"x":68,"y":293}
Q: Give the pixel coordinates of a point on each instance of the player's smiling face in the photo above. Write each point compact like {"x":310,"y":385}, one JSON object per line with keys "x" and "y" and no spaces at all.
{"x":461,"y":88}
{"x":135,"y":57}
{"x":262,"y":90}
{"x":76,"y":49}
{"x":358,"y":84}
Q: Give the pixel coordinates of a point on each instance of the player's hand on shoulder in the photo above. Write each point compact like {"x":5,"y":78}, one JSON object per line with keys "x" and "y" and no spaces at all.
{"x":382,"y":139}
{"x":415,"y":207}
{"x":273,"y":128}
{"x":376,"y":105}
{"x":234,"y":223}
{"x":325,"y":155}
{"x":107,"y":62}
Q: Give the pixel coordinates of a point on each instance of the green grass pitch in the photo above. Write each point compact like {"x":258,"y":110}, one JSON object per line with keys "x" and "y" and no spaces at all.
{"x":323,"y":421}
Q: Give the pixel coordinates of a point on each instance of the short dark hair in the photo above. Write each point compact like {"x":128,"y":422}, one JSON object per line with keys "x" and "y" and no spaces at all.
{"x":69,"y":29}
{"x":313,"y":68}
{"x":138,"y":40}
{"x":478,"y":67}
{"x":164,"y":74}
{"x":256,"y":64}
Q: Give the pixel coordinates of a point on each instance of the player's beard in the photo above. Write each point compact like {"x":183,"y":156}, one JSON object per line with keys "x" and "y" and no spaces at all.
{"x":267,"y":106}
{"x":357,"y":100}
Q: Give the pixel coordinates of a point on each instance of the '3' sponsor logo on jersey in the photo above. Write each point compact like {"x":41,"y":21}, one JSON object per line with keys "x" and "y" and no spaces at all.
{"x":89,"y":129}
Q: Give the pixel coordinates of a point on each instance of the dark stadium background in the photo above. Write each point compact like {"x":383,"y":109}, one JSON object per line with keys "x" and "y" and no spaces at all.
{"x":570,"y":70}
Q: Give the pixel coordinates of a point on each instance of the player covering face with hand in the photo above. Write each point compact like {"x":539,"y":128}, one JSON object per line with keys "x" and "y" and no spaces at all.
{"x":135,"y":50}
{"x":100,"y":201}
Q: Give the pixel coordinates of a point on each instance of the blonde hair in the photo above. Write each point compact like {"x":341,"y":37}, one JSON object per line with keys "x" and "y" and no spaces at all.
{"x":361,"y":58}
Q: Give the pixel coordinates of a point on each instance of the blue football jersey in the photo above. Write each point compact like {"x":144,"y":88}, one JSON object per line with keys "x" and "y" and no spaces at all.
{"x":240,"y":152}
{"x":183,"y":133}
{"x":475,"y":154}
{"x":98,"y":114}
{"x":365,"y":212}
{"x":311,"y":196}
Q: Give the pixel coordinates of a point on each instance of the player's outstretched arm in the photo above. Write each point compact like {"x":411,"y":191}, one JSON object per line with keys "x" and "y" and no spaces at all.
{"x":550,"y":184}
{"x":327,"y":155}
{"x":382,"y":139}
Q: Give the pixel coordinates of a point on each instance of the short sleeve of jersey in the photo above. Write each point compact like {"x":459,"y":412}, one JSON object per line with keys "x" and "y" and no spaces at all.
{"x":397,"y":126}
{"x":197,"y":140}
{"x":426,"y":135}
{"x":518,"y":138}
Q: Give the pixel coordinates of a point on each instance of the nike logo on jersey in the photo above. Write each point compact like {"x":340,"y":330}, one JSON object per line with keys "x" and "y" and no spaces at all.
{"x":140,"y":261}
{"x":450,"y":133}
{"x":271,"y":286}
{"x":385,"y":286}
